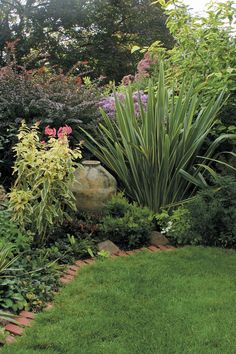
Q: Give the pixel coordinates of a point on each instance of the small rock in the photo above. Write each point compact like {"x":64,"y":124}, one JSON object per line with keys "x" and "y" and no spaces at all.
{"x":3,"y":197}
{"x":157,"y":239}
{"x":108,"y":246}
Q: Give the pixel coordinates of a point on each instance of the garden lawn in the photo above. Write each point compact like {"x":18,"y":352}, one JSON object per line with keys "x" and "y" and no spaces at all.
{"x":176,"y":302}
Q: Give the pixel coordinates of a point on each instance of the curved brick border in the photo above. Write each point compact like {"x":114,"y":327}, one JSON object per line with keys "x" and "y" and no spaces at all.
{"x":26,"y":318}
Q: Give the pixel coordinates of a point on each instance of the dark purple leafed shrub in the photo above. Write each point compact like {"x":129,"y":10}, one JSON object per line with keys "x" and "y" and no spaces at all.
{"x":54,"y":99}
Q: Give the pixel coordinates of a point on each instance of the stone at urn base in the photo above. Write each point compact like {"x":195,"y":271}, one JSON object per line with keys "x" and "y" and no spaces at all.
{"x":93,"y":187}
{"x":108,"y":246}
{"x":157,"y":239}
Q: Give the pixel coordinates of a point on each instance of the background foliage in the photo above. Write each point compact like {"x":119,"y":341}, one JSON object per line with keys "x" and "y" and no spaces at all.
{"x":61,"y":33}
{"x":205,"y":49}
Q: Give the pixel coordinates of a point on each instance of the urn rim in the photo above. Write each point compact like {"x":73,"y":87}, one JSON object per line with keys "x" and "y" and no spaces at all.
{"x":91,"y":163}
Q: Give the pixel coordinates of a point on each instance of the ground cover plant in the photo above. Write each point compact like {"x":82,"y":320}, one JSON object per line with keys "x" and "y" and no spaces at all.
{"x":168,"y":302}
{"x":29,"y":272}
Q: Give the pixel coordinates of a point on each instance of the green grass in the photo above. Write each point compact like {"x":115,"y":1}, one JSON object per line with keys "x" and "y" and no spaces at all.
{"x":172,"y":302}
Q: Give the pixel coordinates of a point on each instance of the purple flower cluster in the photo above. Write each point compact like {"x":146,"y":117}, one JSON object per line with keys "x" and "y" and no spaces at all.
{"x":109,"y":106}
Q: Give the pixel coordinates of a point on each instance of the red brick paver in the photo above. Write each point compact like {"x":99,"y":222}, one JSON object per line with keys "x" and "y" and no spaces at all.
{"x":27,"y":314}
{"x":80,"y":263}
{"x":154,"y":248}
{"x":74,"y":267}
{"x":23,"y":321}
{"x":13,"y":329}
{"x":171,"y":247}
{"x":163,"y":248}
{"x":70,"y":272}
{"x":121,"y":253}
{"x":89,"y":260}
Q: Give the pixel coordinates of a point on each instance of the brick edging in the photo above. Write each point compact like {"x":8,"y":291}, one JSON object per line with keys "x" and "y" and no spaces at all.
{"x":26,"y":318}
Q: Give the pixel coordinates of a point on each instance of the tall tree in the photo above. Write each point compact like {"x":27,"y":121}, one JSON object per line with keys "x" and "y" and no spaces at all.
{"x":64,"y":32}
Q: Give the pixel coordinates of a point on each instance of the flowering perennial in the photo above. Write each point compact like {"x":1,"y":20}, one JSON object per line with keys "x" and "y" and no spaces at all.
{"x":109,"y":105}
{"x":62,"y":131}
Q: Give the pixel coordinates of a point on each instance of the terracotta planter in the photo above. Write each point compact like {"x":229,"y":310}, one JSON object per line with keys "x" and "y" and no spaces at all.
{"x":93,"y":186}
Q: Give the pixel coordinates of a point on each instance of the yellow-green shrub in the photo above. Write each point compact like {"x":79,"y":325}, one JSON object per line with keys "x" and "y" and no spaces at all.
{"x":44,"y":172}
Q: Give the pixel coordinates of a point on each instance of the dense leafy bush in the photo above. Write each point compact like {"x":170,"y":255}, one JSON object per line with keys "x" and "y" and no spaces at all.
{"x":176,"y":225}
{"x":155,"y":157}
{"x":204,"y":50}
{"x":10,"y":232}
{"x":40,"y":96}
{"x":127,"y":225}
{"x":44,"y":173}
{"x":208,"y":219}
{"x":51,"y":98}
{"x":204,"y":46}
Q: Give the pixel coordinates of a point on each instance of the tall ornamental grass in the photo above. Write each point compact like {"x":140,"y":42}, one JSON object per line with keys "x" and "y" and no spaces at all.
{"x":155,"y":156}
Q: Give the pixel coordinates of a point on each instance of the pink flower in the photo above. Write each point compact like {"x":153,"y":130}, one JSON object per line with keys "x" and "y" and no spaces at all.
{"x":60,"y":133}
{"x":66,"y":130}
{"x":43,"y":142}
{"x":50,"y":131}
{"x":127,"y":79}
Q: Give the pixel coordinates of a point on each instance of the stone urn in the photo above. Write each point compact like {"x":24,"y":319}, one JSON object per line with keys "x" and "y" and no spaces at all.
{"x":93,"y":186}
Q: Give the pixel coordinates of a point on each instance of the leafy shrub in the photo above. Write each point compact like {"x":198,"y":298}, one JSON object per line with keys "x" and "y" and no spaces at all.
{"x":204,"y":50}
{"x":209,"y":219}
{"x":127,"y":225}
{"x":176,"y":225}
{"x":69,"y":247}
{"x":53,"y":99}
{"x":44,"y":171}
{"x":204,"y":46}
{"x":155,"y":158}
{"x":11,"y":233}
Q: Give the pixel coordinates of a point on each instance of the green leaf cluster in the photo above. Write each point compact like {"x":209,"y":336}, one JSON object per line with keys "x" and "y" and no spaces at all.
{"x":44,"y":174}
{"x":208,"y":219}
{"x":126,"y":224}
{"x":205,"y":49}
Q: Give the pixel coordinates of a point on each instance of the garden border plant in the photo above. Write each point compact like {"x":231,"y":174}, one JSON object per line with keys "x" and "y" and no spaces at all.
{"x":44,"y":174}
{"x":162,"y":146}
